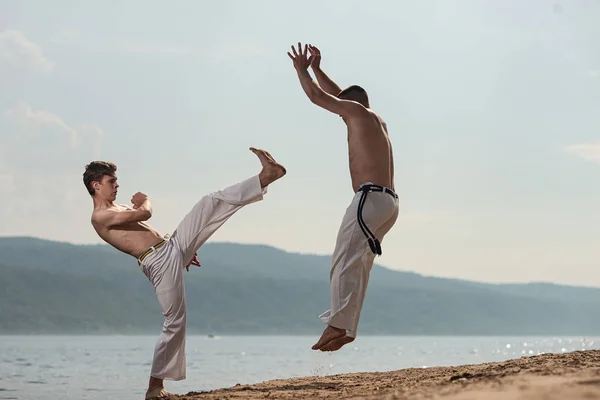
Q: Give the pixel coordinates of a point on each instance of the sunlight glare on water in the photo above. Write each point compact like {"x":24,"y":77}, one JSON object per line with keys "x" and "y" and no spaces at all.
{"x":116,"y":367}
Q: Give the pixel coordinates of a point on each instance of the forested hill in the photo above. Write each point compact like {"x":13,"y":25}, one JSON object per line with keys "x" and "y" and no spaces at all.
{"x":52,"y":287}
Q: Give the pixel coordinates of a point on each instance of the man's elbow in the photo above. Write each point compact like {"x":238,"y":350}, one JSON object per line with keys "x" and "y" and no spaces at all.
{"x":317,"y":97}
{"x":146,"y":214}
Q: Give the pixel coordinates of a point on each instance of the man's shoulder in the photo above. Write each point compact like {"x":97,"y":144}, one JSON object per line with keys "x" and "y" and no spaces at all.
{"x":371,"y":117}
{"x":100,"y":214}
{"x":362,"y":112}
{"x":378,"y":118}
{"x":97,"y":215}
{"x":374,"y":114}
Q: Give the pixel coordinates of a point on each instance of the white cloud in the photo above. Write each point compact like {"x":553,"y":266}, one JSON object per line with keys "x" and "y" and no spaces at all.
{"x":16,"y":49}
{"x":34,"y":121}
{"x":42,"y":157}
{"x":587,"y":151}
{"x":92,"y":135}
{"x":40,"y":124}
{"x":41,"y":141}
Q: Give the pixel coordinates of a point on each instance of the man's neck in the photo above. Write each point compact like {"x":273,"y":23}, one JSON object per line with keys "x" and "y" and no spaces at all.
{"x":100,"y":204}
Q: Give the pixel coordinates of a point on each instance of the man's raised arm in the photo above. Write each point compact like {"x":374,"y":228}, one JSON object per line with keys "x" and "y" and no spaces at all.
{"x":111,"y":218}
{"x":318,"y":96}
{"x":324,"y":81}
{"x":142,"y":211}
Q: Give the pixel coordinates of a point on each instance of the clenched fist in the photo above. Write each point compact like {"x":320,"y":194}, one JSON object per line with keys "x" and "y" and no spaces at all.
{"x":138,"y":199}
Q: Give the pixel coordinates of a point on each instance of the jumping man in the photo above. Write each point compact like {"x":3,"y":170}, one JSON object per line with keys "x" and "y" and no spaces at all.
{"x":162,"y":259}
{"x":374,"y":208}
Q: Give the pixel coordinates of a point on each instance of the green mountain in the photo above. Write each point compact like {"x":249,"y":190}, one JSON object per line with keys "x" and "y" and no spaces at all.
{"x":54,"y":287}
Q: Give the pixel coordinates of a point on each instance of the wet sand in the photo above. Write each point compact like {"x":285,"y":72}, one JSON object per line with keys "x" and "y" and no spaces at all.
{"x":572,"y":376}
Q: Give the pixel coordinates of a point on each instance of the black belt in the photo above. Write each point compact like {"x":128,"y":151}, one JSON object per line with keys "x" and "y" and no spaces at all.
{"x":373,"y":241}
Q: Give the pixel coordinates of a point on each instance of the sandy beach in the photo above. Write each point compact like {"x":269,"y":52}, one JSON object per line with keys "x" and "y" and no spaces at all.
{"x":572,"y":376}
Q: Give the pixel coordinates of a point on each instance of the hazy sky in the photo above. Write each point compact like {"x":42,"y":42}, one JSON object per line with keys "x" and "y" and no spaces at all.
{"x":493,"y":110}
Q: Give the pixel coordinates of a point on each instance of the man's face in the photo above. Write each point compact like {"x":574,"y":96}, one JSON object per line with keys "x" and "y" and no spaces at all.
{"x":107,"y":188}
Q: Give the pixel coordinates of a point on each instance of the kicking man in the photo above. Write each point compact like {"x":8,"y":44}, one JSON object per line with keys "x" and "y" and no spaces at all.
{"x":374,"y":207}
{"x":162,"y":259}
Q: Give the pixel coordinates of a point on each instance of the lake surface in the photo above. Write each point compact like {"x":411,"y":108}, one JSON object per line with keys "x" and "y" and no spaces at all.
{"x":117,"y":367}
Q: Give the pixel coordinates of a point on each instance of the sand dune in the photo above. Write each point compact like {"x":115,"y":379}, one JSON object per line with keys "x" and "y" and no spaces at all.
{"x":569,"y":376}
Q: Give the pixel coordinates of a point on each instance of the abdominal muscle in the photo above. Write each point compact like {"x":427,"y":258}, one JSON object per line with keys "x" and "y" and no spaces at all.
{"x":133,"y":238}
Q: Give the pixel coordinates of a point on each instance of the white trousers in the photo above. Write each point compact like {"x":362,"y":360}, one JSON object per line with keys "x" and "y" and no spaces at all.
{"x":164,"y":267}
{"x":353,"y":258}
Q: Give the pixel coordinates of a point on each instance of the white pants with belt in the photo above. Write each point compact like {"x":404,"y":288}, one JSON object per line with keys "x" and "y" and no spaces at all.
{"x":164,"y":268}
{"x":353,"y":259}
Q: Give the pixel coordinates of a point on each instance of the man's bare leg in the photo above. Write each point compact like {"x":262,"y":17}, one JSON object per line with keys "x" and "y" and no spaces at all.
{"x":271,"y":171}
{"x":156,"y":390}
{"x":337,"y":344}
{"x":330,"y":333}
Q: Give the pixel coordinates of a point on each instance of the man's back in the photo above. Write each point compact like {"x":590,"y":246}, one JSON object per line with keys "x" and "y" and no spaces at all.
{"x":369,"y":151}
{"x":369,"y":148}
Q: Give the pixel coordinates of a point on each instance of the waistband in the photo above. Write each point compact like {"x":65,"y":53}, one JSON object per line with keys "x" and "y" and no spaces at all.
{"x":370,"y":187}
{"x":152,"y":249}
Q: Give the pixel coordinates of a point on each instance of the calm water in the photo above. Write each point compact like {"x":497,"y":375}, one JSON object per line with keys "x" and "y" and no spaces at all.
{"x":116,"y":367}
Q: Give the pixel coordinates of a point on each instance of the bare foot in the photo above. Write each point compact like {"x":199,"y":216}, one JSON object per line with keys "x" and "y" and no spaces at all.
{"x":157,"y":393}
{"x":337,"y":344}
{"x":330,"y":333}
{"x":271,"y":171}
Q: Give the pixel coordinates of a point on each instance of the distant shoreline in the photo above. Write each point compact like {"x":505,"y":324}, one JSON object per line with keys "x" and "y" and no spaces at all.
{"x":572,"y":376}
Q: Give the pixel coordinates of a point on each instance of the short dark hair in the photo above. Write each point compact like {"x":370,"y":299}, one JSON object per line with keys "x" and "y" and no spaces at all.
{"x":356,"y":93}
{"x":94,"y":172}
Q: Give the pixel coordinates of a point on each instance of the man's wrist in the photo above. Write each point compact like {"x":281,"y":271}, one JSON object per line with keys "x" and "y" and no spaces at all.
{"x":304,"y":74}
{"x":145,"y":205}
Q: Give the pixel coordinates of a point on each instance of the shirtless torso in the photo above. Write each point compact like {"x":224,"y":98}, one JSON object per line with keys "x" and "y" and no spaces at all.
{"x":369,"y":150}
{"x":118,"y":226}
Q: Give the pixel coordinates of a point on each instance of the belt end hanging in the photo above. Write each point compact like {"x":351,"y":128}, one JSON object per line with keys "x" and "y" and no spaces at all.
{"x":375,"y":246}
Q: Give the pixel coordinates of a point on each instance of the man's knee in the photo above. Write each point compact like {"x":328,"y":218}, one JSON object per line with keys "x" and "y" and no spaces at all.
{"x":174,"y":310}
{"x":175,"y":324}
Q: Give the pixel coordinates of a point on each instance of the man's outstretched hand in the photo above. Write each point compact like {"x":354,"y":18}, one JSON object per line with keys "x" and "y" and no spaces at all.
{"x":193,"y":262}
{"x":300,"y":58}
{"x":315,"y":55}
